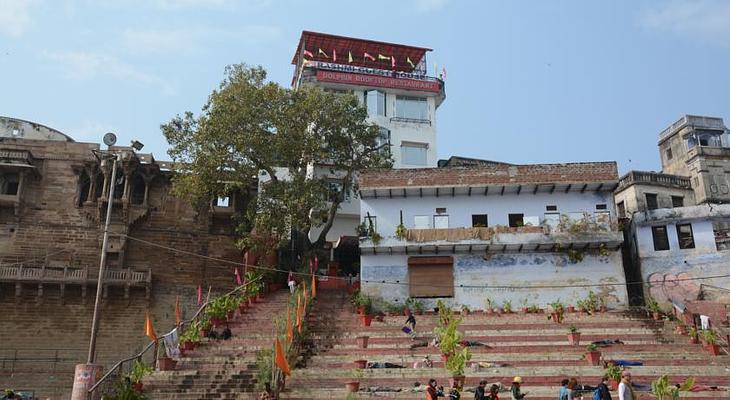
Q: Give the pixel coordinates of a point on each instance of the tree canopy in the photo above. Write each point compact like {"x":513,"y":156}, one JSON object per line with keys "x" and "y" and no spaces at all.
{"x":252,"y":131}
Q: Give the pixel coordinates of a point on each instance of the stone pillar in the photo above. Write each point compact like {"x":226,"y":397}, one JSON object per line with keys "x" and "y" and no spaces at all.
{"x":86,"y":376}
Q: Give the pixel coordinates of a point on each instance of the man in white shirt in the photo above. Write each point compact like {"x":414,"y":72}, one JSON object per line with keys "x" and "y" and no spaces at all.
{"x":625,"y":391}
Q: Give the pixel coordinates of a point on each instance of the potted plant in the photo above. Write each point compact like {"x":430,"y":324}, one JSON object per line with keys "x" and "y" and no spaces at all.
{"x":507,"y":306}
{"x":415,"y":305}
{"x":604,"y":304}
{"x":709,"y":336}
{"x":534,"y":309}
{"x":614,"y":375}
{"x":557,"y":309}
{"x":593,"y":355}
{"x":216,"y":311}
{"x":464,"y":310}
{"x":366,"y":318}
{"x":362,"y":341}
{"x":681,"y":328}
{"x":138,"y":371}
{"x":663,"y":390}
{"x":455,"y":365}
{"x":448,"y":334}
{"x":354,"y":385}
{"x":653,"y":306}
{"x":164,"y":362}
{"x":525,"y":309}
{"x":191,"y":337}
{"x":400,"y":231}
{"x":361,"y":364}
{"x":489,"y":305}
{"x":694,"y":335}
{"x":571,"y":308}
{"x":573,"y":336}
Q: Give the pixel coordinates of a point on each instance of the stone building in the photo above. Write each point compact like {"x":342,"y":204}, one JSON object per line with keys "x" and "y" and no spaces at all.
{"x":474,"y":230}
{"x":677,"y":225}
{"x":52,"y":207}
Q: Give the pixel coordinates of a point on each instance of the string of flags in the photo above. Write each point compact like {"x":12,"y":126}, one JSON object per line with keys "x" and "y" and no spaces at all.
{"x":365,"y":56}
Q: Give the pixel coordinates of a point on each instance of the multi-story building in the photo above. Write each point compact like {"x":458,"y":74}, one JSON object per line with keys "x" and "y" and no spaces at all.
{"x":678,"y":228}
{"x":471,"y":229}
{"x":54,"y":193}
{"x":392,"y":82}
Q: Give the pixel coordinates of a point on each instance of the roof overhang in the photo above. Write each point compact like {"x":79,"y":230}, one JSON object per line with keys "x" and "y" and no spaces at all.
{"x":488,"y":190}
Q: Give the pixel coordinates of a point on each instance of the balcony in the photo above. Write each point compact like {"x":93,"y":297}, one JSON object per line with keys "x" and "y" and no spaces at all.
{"x":411,"y":120}
{"x":694,"y":121}
{"x":708,"y":151}
{"x":653,"y":178}
{"x":543,"y":238}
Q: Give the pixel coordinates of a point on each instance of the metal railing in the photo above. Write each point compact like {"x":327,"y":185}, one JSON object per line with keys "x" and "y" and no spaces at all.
{"x":106,"y":384}
{"x":693,"y":120}
{"x":32,"y":274}
{"x":410,"y":120}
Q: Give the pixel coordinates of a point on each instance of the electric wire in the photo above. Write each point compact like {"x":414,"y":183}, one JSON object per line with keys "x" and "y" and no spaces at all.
{"x":515,"y":287}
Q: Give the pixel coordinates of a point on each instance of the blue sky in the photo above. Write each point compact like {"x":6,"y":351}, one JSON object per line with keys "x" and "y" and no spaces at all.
{"x":527,"y":81}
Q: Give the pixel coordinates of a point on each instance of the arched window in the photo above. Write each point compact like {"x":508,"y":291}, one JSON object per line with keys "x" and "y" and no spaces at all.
{"x":84,"y":188}
{"x":138,"y":187}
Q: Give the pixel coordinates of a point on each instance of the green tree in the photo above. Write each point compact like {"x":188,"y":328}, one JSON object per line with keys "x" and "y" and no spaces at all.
{"x":251,"y":129}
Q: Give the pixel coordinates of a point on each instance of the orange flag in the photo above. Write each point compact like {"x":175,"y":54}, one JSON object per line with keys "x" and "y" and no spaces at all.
{"x":314,"y":287}
{"x":177,"y":311}
{"x":149,"y":331}
{"x":280,"y":359}
{"x":299,"y":311}
{"x":306,"y":301}
{"x":289,"y":329}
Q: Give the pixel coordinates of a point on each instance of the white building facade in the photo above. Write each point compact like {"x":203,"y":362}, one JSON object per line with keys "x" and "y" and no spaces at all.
{"x":525,"y":234}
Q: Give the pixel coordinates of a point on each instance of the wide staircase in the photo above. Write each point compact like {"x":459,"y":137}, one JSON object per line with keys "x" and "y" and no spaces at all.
{"x":222,"y":369}
{"x":526,"y":345}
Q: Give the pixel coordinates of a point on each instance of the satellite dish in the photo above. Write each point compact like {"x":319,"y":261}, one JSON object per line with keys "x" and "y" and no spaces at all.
{"x":110,"y":139}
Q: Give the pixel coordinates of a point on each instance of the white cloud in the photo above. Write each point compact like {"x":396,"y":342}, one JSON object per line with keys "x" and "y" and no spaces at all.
{"x":79,"y":65}
{"x":429,"y":5}
{"x":15,"y":16}
{"x":701,"y":19}
{"x":184,"y":40}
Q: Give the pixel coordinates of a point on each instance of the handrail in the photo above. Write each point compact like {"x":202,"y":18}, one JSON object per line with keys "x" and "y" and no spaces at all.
{"x":182,"y":324}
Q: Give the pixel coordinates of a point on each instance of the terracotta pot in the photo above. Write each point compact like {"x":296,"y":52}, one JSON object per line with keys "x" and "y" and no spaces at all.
{"x":457,"y":382}
{"x":166,"y":364}
{"x":498,"y":311}
{"x":361,"y":364}
{"x":444,"y":358}
{"x":352,"y":387}
{"x":694,"y":340}
{"x":656,"y":316}
{"x":361,"y":310}
{"x":714,"y":349}
{"x":574,"y":338}
{"x":571,"y":309}
{"x":406,"y":311}
{"x":604,"y":308}
{"x":681,"y":330}
{"x":366,"y":320}
{"x":242,"y":307}
{"x":557,"y":317}
{"x":187,"y":346}
{"x":525,"y":310}
{"x":378,"y":318}
{"x":259,"y":297}
{"x":489,"y":311}
{"x":138,"y":387}
{"x":362,"y":341}
{"x":614,"y":384}
{"x":419,"y":312}
{"x":230,"y":315}
{"x":204,"y":332}
{"x":593,"y":357}
{"x":464,"y":313}
{"x":216,"y":322}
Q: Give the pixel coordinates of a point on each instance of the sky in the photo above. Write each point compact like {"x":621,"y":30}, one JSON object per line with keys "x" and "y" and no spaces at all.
{"x":526,"y":82}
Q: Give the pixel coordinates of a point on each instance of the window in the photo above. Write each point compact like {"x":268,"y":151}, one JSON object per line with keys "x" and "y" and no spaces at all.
{"x":440,"y":221}
{"x":431,"y":276}
{"x":411,"y":108}
{"x":677,"y":201}
{"x":551,"y":208}
{"x":621,"y":209}
{"x":668,"y":153}
{"x":516,"y":220}
{"x":422,"y":222}
{"x":375,"y":102}
{"x":479,"y":220}
{"x":651,"y":203}
{"x":721,"y":229}
{"x":601,"y":207}
{"x":684,"y":234}
{"x":383,"y":137}
{"x":9,"y":184}
{"x":413,"y":153}
{"x":661,"y":241}
{"x":223,"y":201}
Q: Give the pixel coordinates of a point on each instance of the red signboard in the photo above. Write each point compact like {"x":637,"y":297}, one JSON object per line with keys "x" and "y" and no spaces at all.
{"x":377,"y":81}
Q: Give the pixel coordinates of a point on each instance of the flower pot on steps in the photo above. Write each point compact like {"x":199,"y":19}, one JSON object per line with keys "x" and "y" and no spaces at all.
{"x":457,"y":382}
{"x":360,"y":310}
{"x":614,"y":384}
{"x":362,"y":341}
{"x":166,"y":364}
{"x":366,"y":320}
{"x":714,"y":349}
{"x":361,"y":364}
{"x":138,"y":387}
{"x":593,"y":357}
{"x":557,"y":317}
{"x":216,"y":322}
{"x":352,"y":387}
{"x":571,"y":309}
{"x":656,"y":316}
{"x":574,"y":338}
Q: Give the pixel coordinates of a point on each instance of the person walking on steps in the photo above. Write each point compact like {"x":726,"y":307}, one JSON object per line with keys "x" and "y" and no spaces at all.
{"x":625,"y":391}
{"x":291,"y":282}
{"x":602,"y":391}
{"x":479,"y":392}
{"x":515,"y":390}
{"x":432,"y":392}
{"x":493,"y":392}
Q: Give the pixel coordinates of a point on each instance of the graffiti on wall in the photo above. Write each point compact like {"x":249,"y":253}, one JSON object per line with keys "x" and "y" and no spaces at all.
{"x":667,"y":286}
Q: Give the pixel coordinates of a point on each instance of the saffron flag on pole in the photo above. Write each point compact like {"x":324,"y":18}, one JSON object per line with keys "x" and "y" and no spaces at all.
{"x":149,"y":331}
{"x":200,"y":295}
{"x":314,"y":287}
{"x":368,"y":56}
{"x":177,"y":310}
{"x":289,"y":328}
{"x":382,"y":57}
{"x":308,"y":54}
{"x":334,"y":55}
{"x":306,"y":301}
{"x":349,"y":56}
{"x":392,"y":61}
{"x":280,"y":359}
{"x":238,"y":277}
{"x":299,"y":312}
{"x":408,"y":59}
{"x":323,"y":53}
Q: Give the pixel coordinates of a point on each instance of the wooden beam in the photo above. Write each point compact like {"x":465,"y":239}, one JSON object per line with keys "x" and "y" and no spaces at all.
{"x":567,"y":189}
{"x":535,"y":190}
{"x":436,"y":249}
{"x":583,"y":189}
{"x":486,"y":190}
{"x":504,"y":248}
{"x":552,"y":189}
{"x":598,"y":189}
{"x":420,"y":249}
{"x":453,"y":191}
{"x":520,"y":249}
{"x":420,"y":192}
{"x":390,"y":193}
{"x":437,"y":192}
{"x":375,"y":193}
{"x":404,"y":193}
{"x":453,"y":249}
{"x":469,"y":192}
{"x":406,"y":248}
{"x":519,"y":189}
{"x":469,"y":249}
{"x":502,"y":193}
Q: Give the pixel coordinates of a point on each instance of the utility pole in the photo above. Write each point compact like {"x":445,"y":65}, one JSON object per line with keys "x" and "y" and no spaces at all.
{"x":102,"y":263}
